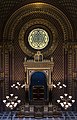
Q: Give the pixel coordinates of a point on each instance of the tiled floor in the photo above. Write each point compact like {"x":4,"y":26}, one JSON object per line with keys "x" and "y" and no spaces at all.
{"x":70,"y":115}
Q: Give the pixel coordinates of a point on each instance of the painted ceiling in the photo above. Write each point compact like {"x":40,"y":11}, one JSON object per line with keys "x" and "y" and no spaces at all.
{"x":8,"y":7}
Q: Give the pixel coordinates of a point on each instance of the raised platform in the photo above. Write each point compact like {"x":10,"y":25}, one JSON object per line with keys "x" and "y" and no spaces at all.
{"x":38,"y":111}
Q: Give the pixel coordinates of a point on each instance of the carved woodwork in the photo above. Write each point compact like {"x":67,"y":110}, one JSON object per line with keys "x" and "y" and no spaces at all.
{"x":32,"y":66}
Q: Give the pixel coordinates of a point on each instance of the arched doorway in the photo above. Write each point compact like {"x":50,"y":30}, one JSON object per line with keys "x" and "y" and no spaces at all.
{"x":38,"y":90}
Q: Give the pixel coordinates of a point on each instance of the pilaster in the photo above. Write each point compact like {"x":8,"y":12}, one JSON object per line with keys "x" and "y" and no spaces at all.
{"x":7,"y":66}
{"x":69,"y":66}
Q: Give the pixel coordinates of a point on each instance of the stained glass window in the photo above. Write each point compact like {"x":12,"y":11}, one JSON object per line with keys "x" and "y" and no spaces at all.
{"x":38,"y":38}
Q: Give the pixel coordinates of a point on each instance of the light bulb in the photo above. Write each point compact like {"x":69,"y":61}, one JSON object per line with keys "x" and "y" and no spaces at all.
{"x":7,"y":97}
{"x":18,"y":101}
{"x":8,"y":104}
{"x":65,"y":95}
{"x":70,"y":104}
{"x":13,"y":85}
{"x":15,"y":104}
{"x":11,"y":95}
{"x":16,"y":87}
{"x":61,"y":97}
{"x":64,"y":85}
{"x":16,"y":97}
{"x":54,"y":85}
{"x":18,"y":83}
{"x":73,"y":101}
{"x":66,"y":106}
{"x":58,"y":101}
{"x":4,"y":101}
{"x":69,"y":97}
{"x":58,"y":83}
{"x":12,"y":103}
{"x":64,"y":103}
{"x":60,"y":87}
{"x":23,"y":86}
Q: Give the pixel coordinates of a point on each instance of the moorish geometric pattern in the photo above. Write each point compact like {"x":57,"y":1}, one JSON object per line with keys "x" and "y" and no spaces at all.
{"x":69,"y":7}
{"x":18,"y":65}
{"x":38,"y":38}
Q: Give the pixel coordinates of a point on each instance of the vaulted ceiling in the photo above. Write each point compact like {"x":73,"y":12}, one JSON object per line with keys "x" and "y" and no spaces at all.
{"x":68,"y":7}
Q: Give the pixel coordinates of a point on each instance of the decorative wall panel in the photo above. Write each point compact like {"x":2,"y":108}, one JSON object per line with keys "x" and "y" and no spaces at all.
{"x":32,"y":16}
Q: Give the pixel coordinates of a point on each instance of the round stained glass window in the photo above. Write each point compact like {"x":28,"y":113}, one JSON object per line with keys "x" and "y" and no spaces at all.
{"x":38,"y":38}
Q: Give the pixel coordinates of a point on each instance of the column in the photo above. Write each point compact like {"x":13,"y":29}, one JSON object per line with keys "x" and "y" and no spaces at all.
{"x":69,"y":67}
{"x":8,"y":66}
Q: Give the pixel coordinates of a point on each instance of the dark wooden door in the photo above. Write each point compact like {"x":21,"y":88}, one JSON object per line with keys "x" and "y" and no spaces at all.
{"x":38,"y":92}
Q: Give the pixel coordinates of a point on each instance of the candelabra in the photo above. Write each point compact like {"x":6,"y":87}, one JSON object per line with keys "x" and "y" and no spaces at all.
{"x":59,"y":85}
{"x":11,"y":102}
{"x":18,"y":85}
{"x":66,"y":101}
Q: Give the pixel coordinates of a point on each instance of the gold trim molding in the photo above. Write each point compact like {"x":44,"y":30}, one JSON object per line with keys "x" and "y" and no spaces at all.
{"x":37,"y":8}
{"x":34,"y":22}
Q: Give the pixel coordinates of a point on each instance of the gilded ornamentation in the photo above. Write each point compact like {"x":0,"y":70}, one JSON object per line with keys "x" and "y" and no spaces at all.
{"x":53,"y":33}
{"x":36,"y":9}
{"x":38,"y":38}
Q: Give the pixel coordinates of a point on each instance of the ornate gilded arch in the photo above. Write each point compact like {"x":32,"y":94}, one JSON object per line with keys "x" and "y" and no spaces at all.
{"x":33,"y":14}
